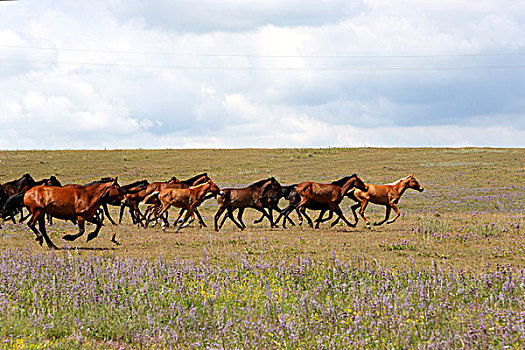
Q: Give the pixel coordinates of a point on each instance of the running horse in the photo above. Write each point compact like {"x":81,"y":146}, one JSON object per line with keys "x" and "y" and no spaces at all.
{"x":151,"y":212}
{"x":77,"y":204}
{"x":242,"y":198}
{"x":387,"y":195}
{"x":329,"y":195}
{"x":185,"y":198}
{"x":14,"y":187}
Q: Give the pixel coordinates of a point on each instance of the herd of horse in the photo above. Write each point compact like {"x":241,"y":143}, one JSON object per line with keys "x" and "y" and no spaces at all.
{"x":89,"y":202}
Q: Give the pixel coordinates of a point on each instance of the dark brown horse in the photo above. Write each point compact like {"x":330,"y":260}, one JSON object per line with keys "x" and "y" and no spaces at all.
{"x":241,"y":198}
{"x":185,"y":198}
{"x":329,"y":195}
{"x":14,"y":187}
{"x":20,"y":185}
{"x":77,"y":204}
{"x":387,"y":195}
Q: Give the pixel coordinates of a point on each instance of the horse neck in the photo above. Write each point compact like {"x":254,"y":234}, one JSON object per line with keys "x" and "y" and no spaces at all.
{"x":99,"y":192}
{"x":202,"y":190}
{"x":347,"y":186}
{"x":401,"y":186}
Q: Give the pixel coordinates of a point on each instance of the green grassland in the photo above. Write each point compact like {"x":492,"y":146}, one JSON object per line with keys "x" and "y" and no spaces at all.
{"x":471,"y":212}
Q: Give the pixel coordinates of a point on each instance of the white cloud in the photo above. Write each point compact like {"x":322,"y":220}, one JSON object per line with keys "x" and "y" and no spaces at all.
{"x":113,"y":83}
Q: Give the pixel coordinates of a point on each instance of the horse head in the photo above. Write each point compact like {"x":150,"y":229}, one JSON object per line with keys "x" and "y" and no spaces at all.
{"x":53,"y":181}
{"x":214,"y":188}
{"x":272,"y":189}
{"x":358,"y":183}
{"x":414,"y":184}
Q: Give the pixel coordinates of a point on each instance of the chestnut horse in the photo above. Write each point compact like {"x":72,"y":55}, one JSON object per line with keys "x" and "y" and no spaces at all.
{"x":387,"y":195}
{"x":184,"y":198}
{"x":78,"y":204}
{"x":241,"y":198}
{"x":329,"y":195}
{"x":157,"y":205}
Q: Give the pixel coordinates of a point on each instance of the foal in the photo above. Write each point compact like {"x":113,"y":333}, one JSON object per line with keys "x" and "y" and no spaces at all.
{"x":387,"y":195}
{"x":184,"y":198}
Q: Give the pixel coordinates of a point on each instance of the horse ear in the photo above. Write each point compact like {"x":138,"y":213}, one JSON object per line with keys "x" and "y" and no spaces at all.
{"x":411,"y":175}
{"x":115,"y":181}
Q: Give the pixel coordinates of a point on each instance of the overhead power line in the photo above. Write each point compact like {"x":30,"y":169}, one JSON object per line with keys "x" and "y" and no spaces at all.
{"x":241,"y":68}
{"x":437,"y":55}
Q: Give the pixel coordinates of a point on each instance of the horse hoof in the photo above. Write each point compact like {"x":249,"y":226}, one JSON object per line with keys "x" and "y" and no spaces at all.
{"x":68,"y":237}
{"x":40,"y":240}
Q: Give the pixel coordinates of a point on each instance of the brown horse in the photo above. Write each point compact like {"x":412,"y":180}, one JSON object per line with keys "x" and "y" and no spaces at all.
{"x":14,"y":187}
{"x":150,"y":212}
{"x":185,"y":198}
{"x":387,"y":195}
{"x":77,"y":204}
{"x":242,"y":198}
{"x":329,"y":195}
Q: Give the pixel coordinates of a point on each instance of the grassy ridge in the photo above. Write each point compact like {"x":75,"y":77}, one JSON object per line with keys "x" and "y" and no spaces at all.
{"x":471,"y":210}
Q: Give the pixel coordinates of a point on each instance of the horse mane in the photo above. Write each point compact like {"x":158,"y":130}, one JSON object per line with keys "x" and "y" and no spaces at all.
{"x":260,"y":182}
{"x":192,"y":179}
{"x":141,"y":183}
{"x":101,"y":181}
{"x":198,"y":186}
{"x":342,"y":181}
{"x":398,"y":181}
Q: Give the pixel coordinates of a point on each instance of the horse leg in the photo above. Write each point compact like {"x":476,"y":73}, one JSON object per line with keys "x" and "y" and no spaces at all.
{"x":159,"y":214}
{"x":239,"y":217}
{"x":320,"y":218}
{"x":266,"y":215}
{"x":94,"y":234}
{"x":199,"y":217}
{"x":362,"y":213}
{"x":303,"y":212}
{"x":397,"y":213}
{"x":185,"y":222}
{"x":354,"y":208}
{"x":270,"y":214}
{"x":106,"y":211}
{"x":32,"y":225}
{"x":217,"y":216}
{"x":387,"y":216}
{"x":339,"y":213}
{"x":232,"y":218}
{"x":42,"y":228}
{"x":81,"y":229}
{"x":259,"y":219}
{"x":179,"y":216}
{"x":301,"y":207}
{"x":22,"y":217}
{"x":121,"y":213}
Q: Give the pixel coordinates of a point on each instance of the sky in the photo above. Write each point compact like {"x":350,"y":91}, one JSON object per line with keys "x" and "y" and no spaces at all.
{"x":120,"y":74}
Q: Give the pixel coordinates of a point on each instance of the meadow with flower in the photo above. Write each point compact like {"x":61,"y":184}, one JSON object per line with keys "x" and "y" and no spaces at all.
{"x":448,"y":274}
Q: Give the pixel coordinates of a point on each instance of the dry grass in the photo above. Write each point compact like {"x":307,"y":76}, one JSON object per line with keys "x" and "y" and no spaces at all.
{"x":470,"y":213}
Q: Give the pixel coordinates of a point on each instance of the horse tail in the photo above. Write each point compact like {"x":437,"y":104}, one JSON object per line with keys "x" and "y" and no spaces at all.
{"x":225,"y":196}
{"x":14,"y":204}
{"x":152,"y":195}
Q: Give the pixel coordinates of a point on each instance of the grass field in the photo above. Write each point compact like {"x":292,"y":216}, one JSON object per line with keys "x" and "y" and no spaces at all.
{"x":446,"y":261}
